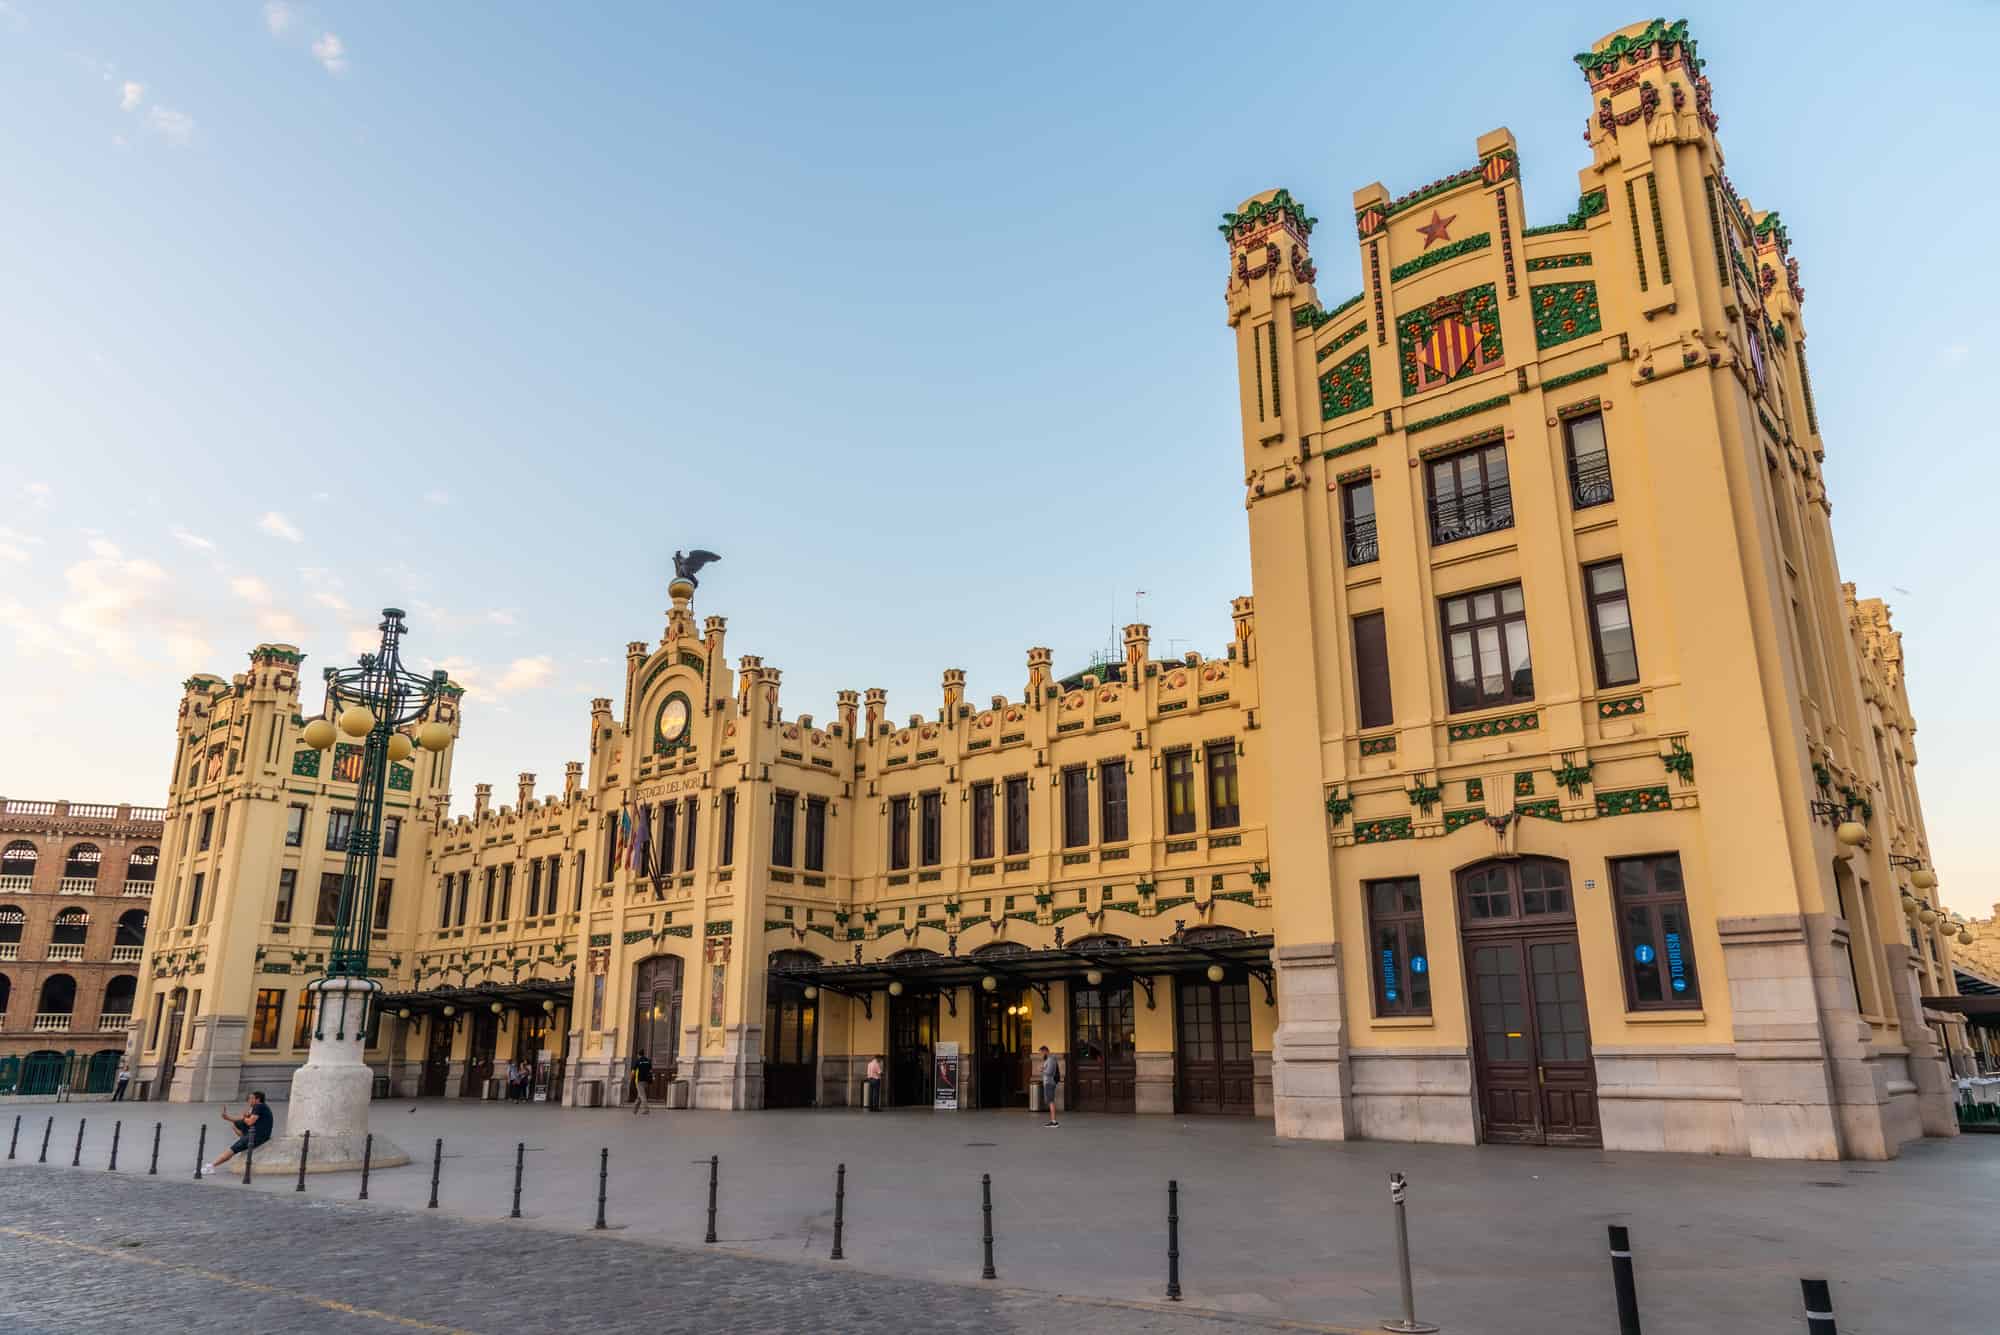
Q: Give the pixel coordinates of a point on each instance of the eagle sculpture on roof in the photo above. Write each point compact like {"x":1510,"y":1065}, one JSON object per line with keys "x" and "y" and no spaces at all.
{"x":687,"y":564}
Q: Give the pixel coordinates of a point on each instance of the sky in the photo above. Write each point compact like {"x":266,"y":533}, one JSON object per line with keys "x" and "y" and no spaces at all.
{"x":915,"y":316}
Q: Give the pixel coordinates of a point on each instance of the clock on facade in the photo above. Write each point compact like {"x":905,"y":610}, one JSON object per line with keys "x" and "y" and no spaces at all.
{"x":674,"y":720}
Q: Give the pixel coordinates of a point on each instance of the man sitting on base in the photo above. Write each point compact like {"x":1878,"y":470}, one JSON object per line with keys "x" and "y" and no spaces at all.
{"x":253,"y":1128}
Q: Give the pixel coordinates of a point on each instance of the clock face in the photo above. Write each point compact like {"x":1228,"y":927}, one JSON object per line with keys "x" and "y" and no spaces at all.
{"x":674,"y":720}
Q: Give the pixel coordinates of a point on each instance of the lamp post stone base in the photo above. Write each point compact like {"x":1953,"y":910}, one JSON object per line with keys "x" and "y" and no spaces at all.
{"x":331,"y":1092}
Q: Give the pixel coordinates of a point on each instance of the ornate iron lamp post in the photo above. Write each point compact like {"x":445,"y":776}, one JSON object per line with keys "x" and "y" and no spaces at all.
{"x":374,"y":702}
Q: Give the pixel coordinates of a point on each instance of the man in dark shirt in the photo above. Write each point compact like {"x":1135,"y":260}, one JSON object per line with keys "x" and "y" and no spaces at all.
{"x":253,"y":1128}
{"x":642,"y":1075}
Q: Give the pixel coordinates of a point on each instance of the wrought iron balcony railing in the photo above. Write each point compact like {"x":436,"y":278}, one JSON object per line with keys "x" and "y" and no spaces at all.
{"x":1362,"y":546}
{"x":1590,"y":481}
{"x":1471,"y":513}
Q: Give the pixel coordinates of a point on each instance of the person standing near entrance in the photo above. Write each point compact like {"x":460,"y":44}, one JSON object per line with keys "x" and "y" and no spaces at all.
{"x":1051,"y":1077}
{"x":872,"y":1100}
{"x":642,"y":1073}
{"x":124,"y":1079}
{"x":253,"y":1128}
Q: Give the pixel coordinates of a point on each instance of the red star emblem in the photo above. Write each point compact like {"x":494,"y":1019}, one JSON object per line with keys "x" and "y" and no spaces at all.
{"x":1437,"y":229}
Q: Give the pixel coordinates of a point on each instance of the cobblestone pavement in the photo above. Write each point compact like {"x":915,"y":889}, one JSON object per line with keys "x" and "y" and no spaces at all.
{"x":1506,"y":1240}
{"x":87,"y":1251}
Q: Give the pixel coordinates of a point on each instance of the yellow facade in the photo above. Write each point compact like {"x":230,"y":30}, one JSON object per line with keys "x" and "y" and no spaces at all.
{"x":1318,"y":825}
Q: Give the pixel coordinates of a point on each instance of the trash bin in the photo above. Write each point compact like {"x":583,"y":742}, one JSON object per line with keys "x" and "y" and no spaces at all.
{"x":381,"y":1086}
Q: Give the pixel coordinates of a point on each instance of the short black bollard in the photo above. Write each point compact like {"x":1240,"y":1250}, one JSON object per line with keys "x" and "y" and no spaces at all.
{"x":76,"y":1159}
{"x":839,"y":1209}
{"x":986,"y":1211}
{"x":249,"y":1159}
{"x":714,"y":1163}
{"x":367,"y":1157}
{"x":520,"y":1162}
{"x":201,"y":1150}
{"x":1173,"y":1240}
{"x":437,"y":1166}
{"x":1621,"y":1280}
{"x":1399,"y":1187}
{"x":305,"y":1148}
{"x":45,"y":1140}
{"x":603,"y":1176}
{"x":116,"y":1127}
{"x":1819,"y":1307}
{"x":153,"y":1165}
{"x":14,"y":1139}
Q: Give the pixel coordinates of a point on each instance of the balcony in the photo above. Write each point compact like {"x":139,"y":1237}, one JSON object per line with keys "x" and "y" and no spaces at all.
{"x":125,"y":954}
{"x":115,"y":1023}
{"x":136,"y":890}
{"x":10,"y":950}
{"x":1361,"y":545}
{"x":1590,"y":481}
{"x":1471,"y":513}
{"x":16,"y":884}
{"x":52,"y":1022}
{"x":77,"y":885}
{"x":65,"y":952}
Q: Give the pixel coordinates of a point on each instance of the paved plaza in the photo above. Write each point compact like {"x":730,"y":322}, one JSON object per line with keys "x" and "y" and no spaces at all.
{"x":1273,"y":1233}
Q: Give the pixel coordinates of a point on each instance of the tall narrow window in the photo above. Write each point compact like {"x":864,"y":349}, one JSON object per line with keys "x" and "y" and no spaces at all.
{"x":1114,"y":824}
{"x":1469,"y":494}
{"x":327,"y":910}
{"x":303,"y":1026}
{"x":1589,"y":463}
{"x":392,"y":835}
{"x":268,"y":1017}
{"x":339,"y":825}
{"x":1357,"y":521}
{"x":1180,"y":791}
{"x":207,"y":831}
{"x":464,"y":897}
{"x":1225,"y":801}
{"x":815,"y":834}
{"x":1396,"y":928}
{"x":899,"y":833}
{"x":784,"y":818}
{"x":1371,"y":671}
{"x":1653,"y":929}
{"x":384,"y":889}
{"x":486,"y":895}
{"x":725,"y":852}
{"x":668,"y":834}
{"x":930,"y":848}
{"x":982,"y":821}
{"x":582,"y":872}
{"x":1486,"y":649}
{"x":534,"y":888}
{"x":1610,"y":624}
{"x":295,"y":825}
{"x":506,"y":891}
{"x":288,"y":884}
{"x":1017,"y":814}
{"x":444,"y":902}
{"x":1076,"y":807}
{"x":690,"y":809}
{"x":194,"y":901}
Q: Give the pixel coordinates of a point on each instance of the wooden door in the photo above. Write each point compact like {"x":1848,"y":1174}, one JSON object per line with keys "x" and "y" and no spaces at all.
{"x":437,"y":1057}
{"x":1102,"y":1066}
{"x":1212,"y":1056}
{"x":169,"y":1052}
{"x":791,"y":1047}
{"x":1537,"y":1082}
{"x":1504,"y":1041}
{"x":1562,"y":1042}
{"x":912,"y":1041}
{"x":656,"y":1018}
{"x":479,"y":1057}
{"x":1005,"y":1030}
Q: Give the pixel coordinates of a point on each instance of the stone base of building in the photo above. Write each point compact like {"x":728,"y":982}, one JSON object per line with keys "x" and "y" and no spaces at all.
{"x":1309,"y":1073}
{"x":1412,"y":1094}
{"x":734,"y":1078}
{"x":1153,"y":1082}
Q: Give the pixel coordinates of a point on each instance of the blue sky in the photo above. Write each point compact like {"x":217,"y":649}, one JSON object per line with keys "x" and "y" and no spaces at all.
{"x":306,"y":309}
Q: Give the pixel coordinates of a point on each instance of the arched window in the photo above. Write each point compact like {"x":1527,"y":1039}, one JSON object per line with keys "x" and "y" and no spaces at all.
{"x":58,"y":995}
{"x":131,"y":928}
{"x":82,"y":864}
{"x":141,"y":867}
{"x":19,"y":859}
{"x":1208,"y":935}
{"x":995,"y":949}
{"x":783,"y":961}
{"x":1101,"y":942}
{"x":6,"y":991}
{"x":118,"y":994}
{"x":11,"y":919}
{"x":913,"y":956}
{"x":72,"y":926}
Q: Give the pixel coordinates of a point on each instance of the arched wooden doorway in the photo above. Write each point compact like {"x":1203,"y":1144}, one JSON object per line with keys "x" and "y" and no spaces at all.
{"x":170,"y":1042}
{"x":437,"y":1055}
{"x":656,"y":1018}
{"x":1103,"y":1064}
{"x":1004,"y":1029}
{"x":791,"y":1033}
{"x":913,"y":1027}
{"x":1214,"y":1071}
{"x":1524,"y":984}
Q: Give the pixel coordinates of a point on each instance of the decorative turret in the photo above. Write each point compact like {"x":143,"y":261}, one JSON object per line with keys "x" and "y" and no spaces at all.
{"x":524,"y":793}
{"x":954,"y":692}
{"x":1039,"y":675}
{"x":482,"y":798}
{"x":877,"y":701}
{"x":1138,"y":648}
{"x":749,"y":669}
{"x":768,"y":698}
{"x":1646,"y":81}
{"x":572,"y":777}
{"x":636,"y":654}
{"x":847,"y":709}
{"x":718,"y":678}
{"x":680,"y":619}
{"x":1243,"y":611}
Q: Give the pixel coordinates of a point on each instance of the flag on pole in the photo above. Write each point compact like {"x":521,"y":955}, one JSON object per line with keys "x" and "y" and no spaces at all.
{"x":624,"y":834}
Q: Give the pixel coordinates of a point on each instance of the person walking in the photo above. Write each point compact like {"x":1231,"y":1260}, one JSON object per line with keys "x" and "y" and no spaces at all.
{"x":642,"y":1073}
{"x":1051,"y":1077}
{"x":873,"y":1098}
{"x":124,"y":1079}
{"x":253,"y":1128}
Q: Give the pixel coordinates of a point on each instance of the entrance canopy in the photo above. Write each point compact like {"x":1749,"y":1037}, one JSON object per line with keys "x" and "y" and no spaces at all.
{"x":529,"y":994}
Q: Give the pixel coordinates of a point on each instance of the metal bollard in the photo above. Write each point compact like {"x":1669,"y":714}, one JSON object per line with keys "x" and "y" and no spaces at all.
{"x":201,"y":1149}
{"x":1173,"y":1240}
{"x":116,"y":1127}
{"x":45,"y":1140}
{"x":713,"y":1165}
{"x":249,"y":1161}
{"x":1399,"y":1187}
{"x":986,"y":1210}
{"x":367,"y":1157}
{"x":305,"y":1148}
{"x":437,"y":1166}
{"x":153,"y":1165}
{"x":839,"y":1209}
{"x":1819,"y":1307}
{"x":603,"y":1176}
{"x":1621,"y":1280}
{"x":520,"y":1162}
{"x":76,"y":1159}
{"x":14,"y":1139}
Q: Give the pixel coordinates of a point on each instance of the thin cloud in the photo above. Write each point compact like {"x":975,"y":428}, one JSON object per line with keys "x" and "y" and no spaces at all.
{"x":525,"y":674}
{"x":280,"y":17}
{"x":130,"y":95}
{"x":331,"y":52}
{"x":191,"y":540}
{"x":332,"y":602}
{"x":278,"y":526}
{"x":250,"y":589}
{"x":176,"y":127}
{"x":41,"y":495}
